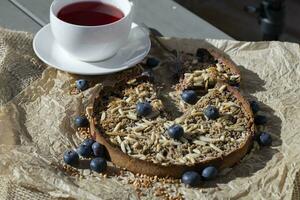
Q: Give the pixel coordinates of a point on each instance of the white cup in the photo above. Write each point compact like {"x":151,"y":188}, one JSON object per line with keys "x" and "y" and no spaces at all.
{"x":91,"y":43}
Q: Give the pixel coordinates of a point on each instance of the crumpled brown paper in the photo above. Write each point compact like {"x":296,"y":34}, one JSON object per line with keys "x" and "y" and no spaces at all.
{"x":36,"y":127}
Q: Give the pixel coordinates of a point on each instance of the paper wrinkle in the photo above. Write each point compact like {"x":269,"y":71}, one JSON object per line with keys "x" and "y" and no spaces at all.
{"x":36,"y":125}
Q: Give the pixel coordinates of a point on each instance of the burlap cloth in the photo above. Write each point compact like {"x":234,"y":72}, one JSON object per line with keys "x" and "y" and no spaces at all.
{"x":37,"y":114}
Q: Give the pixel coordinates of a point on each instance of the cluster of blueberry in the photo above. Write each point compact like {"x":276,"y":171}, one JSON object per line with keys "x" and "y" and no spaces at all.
{"x":263,"y":138}
{"x":193,"y":178}
{"x":87,"y":149}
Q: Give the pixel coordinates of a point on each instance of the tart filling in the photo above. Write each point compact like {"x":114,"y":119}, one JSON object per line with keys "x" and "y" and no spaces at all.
{"x":205,"y":73}
{"x":147,"y":138}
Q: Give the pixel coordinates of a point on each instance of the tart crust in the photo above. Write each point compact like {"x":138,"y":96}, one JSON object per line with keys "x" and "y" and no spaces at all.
{"x":155,"y":169}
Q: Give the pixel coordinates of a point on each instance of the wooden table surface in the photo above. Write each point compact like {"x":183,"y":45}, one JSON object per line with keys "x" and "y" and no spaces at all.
{"x":166,"y":16}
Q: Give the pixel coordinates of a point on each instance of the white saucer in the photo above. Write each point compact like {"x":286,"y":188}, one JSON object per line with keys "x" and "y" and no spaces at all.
{"x":137,"y":47}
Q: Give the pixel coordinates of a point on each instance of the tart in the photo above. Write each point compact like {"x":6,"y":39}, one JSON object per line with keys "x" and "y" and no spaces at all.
{"x":143,"y":143}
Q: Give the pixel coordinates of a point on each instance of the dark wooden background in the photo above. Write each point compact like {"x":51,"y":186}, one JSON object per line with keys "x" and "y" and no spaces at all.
{"x":230,"y":17}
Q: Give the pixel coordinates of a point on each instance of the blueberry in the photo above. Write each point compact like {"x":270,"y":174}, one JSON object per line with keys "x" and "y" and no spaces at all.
{"x":71,"y":157}
{"x":81,"y":121}
{"x":209,"y":173}
{"x":98,"y":149}
{"x":98,"y":164}
{"x":254,"y":106}
{"x":175,"y":131}
{"x":84,"y":150}
{"x":211,"y":112}
{"x":191,"y":178}
{"x":260,"y":120}
{"x":189,"y":96}
{"x":143,"y":108}
{"x":88,"y":142}
{"x":152,"y":62}
{"x":81,"y":84}
{"x":265,"y":139}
